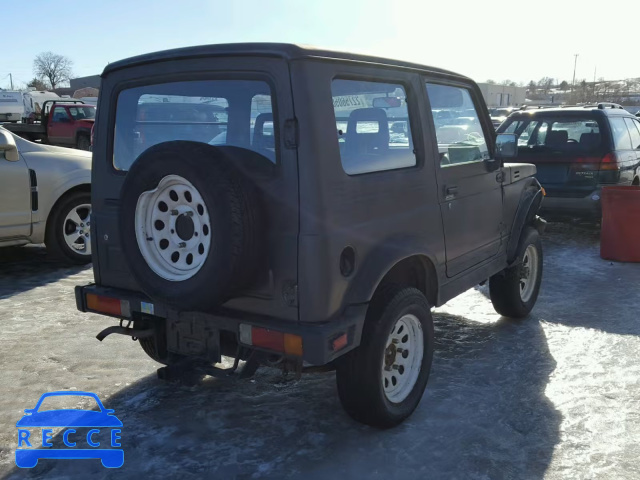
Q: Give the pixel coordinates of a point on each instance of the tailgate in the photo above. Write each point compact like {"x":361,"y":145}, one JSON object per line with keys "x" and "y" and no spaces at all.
{"x":165,"y":105}
{"x":563,"y":174}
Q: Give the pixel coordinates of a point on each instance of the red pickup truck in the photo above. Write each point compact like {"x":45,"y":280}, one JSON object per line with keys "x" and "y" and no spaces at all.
{"x":66,"y":123}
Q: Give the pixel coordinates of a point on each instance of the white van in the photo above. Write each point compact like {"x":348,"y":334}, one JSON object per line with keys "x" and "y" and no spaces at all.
{"x":11,"y":107}
{"x":33,"y":101}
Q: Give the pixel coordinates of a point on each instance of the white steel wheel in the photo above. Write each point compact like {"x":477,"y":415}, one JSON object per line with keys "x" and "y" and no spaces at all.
{"x":528,"y":273}
{"x":173,"y":229}
{"x":402,"y":358}
{"x":76,"y":229}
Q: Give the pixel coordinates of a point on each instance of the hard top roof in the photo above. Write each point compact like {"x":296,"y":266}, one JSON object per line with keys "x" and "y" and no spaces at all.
{"x":280,"y":50}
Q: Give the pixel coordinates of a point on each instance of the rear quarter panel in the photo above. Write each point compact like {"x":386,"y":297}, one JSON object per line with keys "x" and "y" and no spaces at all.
{"x":385,"y":216}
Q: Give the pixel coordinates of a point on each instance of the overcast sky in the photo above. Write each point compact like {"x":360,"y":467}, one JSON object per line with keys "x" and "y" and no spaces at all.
{"x":516,"y":40}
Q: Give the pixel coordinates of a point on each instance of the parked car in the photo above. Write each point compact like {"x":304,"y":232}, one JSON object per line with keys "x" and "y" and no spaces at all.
{"x":577,"y":151}
{"x":499,"y":115}
{"x":322,"y":242}
{"x":45,"y":197}
{"x":66,"y":123}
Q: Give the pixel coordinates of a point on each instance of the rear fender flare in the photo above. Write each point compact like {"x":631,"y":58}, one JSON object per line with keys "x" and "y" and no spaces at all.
{"x":530,"y":201}
{"x":380,"y":261}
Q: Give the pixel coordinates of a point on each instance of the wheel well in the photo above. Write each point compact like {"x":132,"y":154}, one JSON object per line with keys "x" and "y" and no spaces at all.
{"x":83,"y":133}
{"x":636,"y":181}
{"x":416,"y":271}
{"x":85,"y":188}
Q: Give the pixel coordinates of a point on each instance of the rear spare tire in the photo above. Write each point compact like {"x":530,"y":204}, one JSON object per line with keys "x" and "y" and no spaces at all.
{"x":189,"y":225}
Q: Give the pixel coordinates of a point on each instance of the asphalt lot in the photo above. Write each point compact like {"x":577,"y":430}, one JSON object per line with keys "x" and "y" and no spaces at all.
{"x":555,"y":396}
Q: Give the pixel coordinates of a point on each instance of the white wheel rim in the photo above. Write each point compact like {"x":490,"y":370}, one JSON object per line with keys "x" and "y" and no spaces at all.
{"x":402,"y":358}
{"x":76,"y":229}
{"x":528,"y":273}
{"x":173,"y":229}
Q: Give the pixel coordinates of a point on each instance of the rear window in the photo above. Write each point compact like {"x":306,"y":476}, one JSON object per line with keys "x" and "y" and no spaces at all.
{"x":217,"y":112}
{"x":568,"y":135}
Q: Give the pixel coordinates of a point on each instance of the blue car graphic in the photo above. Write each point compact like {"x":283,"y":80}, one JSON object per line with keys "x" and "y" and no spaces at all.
{"x":28,"y":457}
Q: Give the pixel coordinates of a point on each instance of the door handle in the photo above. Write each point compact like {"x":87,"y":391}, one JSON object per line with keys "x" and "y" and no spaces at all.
{"x":451,"y":191}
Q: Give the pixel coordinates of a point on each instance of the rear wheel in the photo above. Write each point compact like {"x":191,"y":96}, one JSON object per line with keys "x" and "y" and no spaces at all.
{"x":68,"y":235}
{"x":381,"y":382}
{"x":514,"y":291}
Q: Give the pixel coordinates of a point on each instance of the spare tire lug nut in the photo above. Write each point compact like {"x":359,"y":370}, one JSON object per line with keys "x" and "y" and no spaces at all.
{"x":174,"y":212}
{"x":182,"y":245}
{"x":189,"y":213}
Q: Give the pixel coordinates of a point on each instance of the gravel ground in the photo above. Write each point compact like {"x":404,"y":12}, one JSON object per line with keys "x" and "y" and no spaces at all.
{"x":556,"y":396}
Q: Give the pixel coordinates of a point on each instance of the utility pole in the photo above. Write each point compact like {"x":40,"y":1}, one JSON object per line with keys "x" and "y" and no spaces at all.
{"x":11,"y":80}
{"x":575,"y":63}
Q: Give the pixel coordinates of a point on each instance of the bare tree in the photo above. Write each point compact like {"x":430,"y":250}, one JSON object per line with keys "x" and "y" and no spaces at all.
{"x":53,"y":67}
{"x":564,"y":85}
{"x":545,"y":84}
{"x":491,"y":82}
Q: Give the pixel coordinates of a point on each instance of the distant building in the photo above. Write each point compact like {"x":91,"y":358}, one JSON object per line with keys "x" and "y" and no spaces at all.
{"x":92,"y":81}
{"x":502,"y":95}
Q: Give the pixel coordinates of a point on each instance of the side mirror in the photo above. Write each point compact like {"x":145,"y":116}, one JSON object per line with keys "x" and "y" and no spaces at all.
{"x":8,"y":146}
{"x":506,"y":146}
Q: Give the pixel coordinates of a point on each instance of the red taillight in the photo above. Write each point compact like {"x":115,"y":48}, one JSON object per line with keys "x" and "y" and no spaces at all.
{"x":110,"y":306}
{"x":609,"y":162}
{"x":271,"y":339}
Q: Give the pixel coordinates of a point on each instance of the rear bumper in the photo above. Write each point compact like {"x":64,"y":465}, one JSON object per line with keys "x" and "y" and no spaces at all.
{"x":317,"y":338}
{"x":588,"y":206}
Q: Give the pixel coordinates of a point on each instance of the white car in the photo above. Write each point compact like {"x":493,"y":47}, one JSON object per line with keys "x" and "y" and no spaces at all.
{"x":45,"y":196}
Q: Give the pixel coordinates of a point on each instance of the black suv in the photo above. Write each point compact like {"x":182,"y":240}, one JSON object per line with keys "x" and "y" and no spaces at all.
{"x":577,"y":151}
{"x":299,"y":208}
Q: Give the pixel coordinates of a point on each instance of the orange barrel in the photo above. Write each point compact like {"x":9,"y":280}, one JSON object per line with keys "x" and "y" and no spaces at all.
{"x":620,"y":235}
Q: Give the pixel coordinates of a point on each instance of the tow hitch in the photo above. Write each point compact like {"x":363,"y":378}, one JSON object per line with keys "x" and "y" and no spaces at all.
{"x":125,"y":330}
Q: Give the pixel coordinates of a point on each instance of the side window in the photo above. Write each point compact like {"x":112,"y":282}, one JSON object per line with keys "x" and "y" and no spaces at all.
{"x":460,"y":137}
{"x":621,"y":138}
{"x":372,"y":125}
{"x":634,"y":132}
{"x":60,"y":115}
